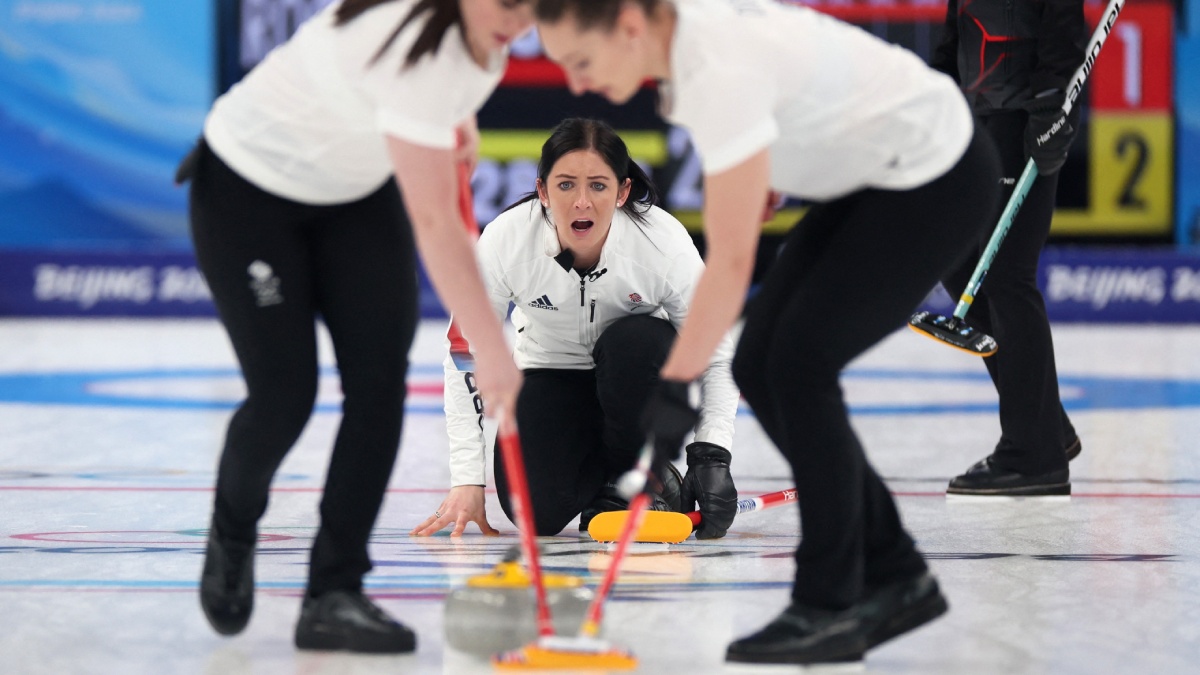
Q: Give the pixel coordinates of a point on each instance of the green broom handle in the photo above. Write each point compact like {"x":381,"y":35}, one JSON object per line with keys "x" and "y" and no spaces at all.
{"x":993,"y":246}
{"x":1025,"y":182}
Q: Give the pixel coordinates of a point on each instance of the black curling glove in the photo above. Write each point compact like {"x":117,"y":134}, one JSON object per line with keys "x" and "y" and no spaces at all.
{"x":709,"y":482}
{"x":668,"y":418}
{"x":1049,"y":131}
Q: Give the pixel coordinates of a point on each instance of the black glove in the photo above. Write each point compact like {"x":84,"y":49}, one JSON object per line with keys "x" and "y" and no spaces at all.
{"x":1049,"y":131}
{"x":708,"y":481}
{"x":668,"y":418}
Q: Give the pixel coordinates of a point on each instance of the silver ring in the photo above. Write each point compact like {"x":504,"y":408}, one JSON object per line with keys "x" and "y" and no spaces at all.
{"x":437,"y":514}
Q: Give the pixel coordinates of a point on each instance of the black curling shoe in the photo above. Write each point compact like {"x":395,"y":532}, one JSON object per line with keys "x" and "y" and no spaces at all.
{"x":348,"y":620}
{"x":1073,"y":449}
{"x":227,"y":583}
{"x":666,"y":495}
{"x":897,"y":608}
{"x":804,"y":635}
{"x":669,"y":497}
{"x":985,"y":478}
{"x":807,"y":635}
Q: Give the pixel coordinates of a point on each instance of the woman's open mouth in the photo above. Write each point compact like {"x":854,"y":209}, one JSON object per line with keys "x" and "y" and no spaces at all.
{"x":581,"y":226}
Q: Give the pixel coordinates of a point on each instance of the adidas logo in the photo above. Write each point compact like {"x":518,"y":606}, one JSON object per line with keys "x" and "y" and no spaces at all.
{"x":543,"y":303}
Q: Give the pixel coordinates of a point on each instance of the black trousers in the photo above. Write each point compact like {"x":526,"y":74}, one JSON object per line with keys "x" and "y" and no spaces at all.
{"x":850,"y":273}
{"x":1034,"y":428}
{"x":274,"y":266}
{"x":580,"y":428}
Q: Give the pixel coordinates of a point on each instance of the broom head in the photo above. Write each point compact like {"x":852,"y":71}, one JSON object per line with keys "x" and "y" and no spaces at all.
{"x":954,"y":332}
{"x":566,"y":653}
{"x":662,"y":527}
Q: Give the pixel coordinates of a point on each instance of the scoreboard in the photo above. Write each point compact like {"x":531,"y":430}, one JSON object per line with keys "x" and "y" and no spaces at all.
{"x":1117,"y":183}
{"x":1129,"y":140}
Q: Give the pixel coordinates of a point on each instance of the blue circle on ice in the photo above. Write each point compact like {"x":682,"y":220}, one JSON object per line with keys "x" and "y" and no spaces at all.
{"x":870,"y":391}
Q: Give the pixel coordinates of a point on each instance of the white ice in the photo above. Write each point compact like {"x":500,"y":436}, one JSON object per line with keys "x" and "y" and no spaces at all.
{"x":109,"y":433}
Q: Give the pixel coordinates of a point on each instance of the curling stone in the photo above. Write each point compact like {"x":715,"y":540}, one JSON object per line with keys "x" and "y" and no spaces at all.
{"x":497,"y":612}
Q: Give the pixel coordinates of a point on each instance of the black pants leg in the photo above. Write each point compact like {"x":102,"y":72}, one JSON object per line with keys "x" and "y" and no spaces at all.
{"x":580,"y":428}
{"x":629,"y":356}
{"x":366,"y":289}
{"x":256,"y":260}
{"x":273,"y":265}
{"x":561,"y":426}
{"x":850,"y":273}
{"x":1009,"y":307}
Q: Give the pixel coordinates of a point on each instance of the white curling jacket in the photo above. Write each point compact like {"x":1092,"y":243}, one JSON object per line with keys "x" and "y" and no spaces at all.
{"x":643,"y":269}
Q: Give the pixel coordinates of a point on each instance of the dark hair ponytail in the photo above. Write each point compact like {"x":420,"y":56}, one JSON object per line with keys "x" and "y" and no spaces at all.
{"x":443,"y":15}
{"x":578,"y":133}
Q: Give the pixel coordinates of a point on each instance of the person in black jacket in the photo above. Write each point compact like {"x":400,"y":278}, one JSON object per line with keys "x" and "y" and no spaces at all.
{"x":1013,"y":61}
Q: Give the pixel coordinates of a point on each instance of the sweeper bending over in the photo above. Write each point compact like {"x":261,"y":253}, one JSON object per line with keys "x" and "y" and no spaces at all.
{"x":778,"y":96}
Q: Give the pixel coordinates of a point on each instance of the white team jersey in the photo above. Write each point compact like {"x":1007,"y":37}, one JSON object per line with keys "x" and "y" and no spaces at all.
{"x":643,"y":269}
{"x":839,"y":109}
{"x":308,"y":123}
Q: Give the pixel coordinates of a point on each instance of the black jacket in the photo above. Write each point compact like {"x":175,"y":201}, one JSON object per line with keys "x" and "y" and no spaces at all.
{"x":1004,"y":52}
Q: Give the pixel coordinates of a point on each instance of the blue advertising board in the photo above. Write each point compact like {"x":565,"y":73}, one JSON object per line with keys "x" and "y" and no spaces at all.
{"x":131,"y":283}
{"x":1079,"y":283}
{"x":1120,"y":285}
{"x":1111,"y":285}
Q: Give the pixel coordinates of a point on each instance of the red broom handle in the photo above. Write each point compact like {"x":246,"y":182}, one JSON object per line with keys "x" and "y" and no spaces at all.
{"x":466,"y":204}
{"x":595,"y":612}
{"x":518,"y":489}
{"x":510,"y":450}
{"x":634,"y":480}
{"x":759,"y":503}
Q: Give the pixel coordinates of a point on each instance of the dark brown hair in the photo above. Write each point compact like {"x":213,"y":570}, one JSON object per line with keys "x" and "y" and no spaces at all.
{"x":578,"y":133}
{"x":444,"y":14}
{"x":588,"y":13}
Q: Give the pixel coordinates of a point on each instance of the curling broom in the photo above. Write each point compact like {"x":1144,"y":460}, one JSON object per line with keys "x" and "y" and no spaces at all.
{"x":587,"y":651}
{"x":510,"y":443}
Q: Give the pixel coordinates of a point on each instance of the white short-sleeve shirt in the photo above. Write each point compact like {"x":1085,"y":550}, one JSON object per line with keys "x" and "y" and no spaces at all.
{"x":308,"y":123}
{"x":839,"y":109}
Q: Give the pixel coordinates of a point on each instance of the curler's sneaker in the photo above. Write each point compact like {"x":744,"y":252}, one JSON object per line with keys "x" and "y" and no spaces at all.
{"x":1073,"y":449}
{"x":349,"y":621}
{"x":606,"y":500}
{"x":227,"y":583}
{"x":804,"y":635}
{"x":668,"y":494}
{"x":665,"y":495}
{"x":900,"y":607}
{"x":809,"y":635}
{"x":986,"y":479}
